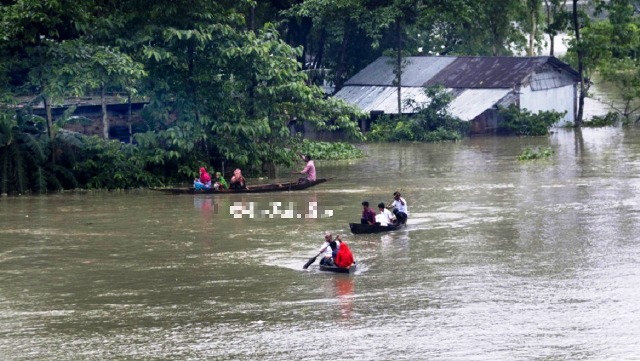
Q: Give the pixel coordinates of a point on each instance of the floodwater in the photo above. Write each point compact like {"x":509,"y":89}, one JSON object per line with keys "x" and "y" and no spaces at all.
{"x":501,"y":260}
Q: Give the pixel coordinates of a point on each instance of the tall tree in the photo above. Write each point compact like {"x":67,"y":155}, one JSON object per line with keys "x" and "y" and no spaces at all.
{"x":555,"y":18}
{"x":532,"y":9}
{"x":577,"y":19}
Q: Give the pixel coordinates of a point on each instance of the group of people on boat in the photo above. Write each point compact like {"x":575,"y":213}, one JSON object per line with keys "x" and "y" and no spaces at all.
{"x":385,"y":217}
{"x":204,"y":181}
{"x":335,"y":252}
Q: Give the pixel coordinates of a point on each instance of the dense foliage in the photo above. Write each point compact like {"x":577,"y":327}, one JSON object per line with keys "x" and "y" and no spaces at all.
{"x":225,"y":79}
{"x":523,"y":122}
{"x":609,"y":46}
{"x":431,"y":121}
{"x":329,"y":150}
{"x":610,"y":119}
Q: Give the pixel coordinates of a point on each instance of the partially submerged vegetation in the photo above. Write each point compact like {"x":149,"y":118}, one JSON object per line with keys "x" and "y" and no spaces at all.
{"x":537,"y":153}
{"x":431,"y":122}
{"x":515,"y":121}
{"x":329,"y":150}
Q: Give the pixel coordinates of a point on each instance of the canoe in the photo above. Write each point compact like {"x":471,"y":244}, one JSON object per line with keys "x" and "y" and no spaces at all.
{"x":258,"y":188}
{"x":357,"y":228}
{"x":335,"y":269}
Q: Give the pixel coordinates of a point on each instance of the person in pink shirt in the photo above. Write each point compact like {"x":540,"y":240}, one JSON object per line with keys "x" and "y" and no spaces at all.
{"x":309,"y":170}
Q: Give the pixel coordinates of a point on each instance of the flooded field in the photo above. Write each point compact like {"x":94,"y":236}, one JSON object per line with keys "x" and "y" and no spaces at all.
{"x":501,"y":260}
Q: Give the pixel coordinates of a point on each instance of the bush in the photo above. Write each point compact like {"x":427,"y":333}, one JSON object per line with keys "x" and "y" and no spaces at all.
{"x":606,"y":121}
{"x":329,"y":150}
{"x":431,"y":122}
{"x":538,"y":153}
{"x":523,"y":122}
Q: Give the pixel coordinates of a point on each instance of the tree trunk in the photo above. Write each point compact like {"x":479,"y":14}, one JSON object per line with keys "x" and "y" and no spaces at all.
{"x":399,"y":64}
{"x":532,"y":36}
{"x":580,"y":52}
{"x":341,"y":66}
{"x":548,"y":22}
{"x":50,"y":129}
{"x":105,"y":116}
{"x":129,"y":118}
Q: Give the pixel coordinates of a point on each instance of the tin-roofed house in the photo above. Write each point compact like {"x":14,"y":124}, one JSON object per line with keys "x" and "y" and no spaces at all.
{"x":479,"y":85}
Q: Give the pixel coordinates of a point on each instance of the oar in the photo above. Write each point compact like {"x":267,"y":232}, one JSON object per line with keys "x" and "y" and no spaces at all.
{"x":313,"y":259}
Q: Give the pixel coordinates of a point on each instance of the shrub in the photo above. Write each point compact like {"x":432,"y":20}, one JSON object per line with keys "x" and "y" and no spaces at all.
{"x":329,"y":150}
{"x":605,"y":121}
{"x":431,"y":122}
{"x":523,"y":122}
{"x":538,"y":153}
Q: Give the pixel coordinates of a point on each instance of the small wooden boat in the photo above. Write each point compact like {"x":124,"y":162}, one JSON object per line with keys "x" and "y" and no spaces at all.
{"x":358,"y":228}
{"x":258,"y":188}
{"x":336,"y":269}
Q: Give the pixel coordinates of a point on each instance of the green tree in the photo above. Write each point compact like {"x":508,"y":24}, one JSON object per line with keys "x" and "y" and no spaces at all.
{"x":556,"y":18}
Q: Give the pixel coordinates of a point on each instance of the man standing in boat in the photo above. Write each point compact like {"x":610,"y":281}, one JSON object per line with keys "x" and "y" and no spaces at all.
{"x":309,"y":170}
{"x":399,"y":206}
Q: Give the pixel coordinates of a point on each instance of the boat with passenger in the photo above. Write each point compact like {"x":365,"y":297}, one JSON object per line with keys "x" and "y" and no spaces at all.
{"x":258,"y":188}
{"x":359,"y":228}
{"x":337,"y":269}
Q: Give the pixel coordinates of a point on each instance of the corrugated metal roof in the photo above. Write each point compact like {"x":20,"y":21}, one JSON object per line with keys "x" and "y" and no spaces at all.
{"x":477,"y":83}
{"x":487,"y":72}
{"x":473,"y":102}
{"x":380,"y":98}
{"x":418,"y":70}
{"x":466,"y":105}
{"x":458,"y":72}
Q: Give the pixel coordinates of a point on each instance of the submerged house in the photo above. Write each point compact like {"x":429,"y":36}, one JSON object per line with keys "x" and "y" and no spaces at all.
{"x":479,"y":85}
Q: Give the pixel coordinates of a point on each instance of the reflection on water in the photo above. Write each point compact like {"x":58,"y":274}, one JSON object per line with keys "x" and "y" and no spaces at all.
{"x":343,"y":285}
{"x":521,"y":260}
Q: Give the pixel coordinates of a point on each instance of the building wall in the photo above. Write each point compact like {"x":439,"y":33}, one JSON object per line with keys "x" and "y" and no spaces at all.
{"x":557,"y":99}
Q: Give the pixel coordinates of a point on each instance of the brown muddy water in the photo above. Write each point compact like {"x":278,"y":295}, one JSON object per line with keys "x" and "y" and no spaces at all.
{"x":501,"y":260}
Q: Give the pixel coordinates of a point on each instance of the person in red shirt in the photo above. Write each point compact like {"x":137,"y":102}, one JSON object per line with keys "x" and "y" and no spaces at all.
{"x":368,"y":214}
{"x":344,"y":257}
{"x":204,"y":181}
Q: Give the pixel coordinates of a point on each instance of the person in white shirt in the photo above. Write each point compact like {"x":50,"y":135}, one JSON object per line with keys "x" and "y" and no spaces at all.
{"x":399,"y":206}
{"x":329,"y":249}
{"x":384,"y":216}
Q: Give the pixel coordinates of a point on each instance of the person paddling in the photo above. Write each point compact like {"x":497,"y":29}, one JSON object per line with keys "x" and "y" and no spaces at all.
{"x":309,"y":170}
{"x":399,"y":206}
{"x":334,"y":253}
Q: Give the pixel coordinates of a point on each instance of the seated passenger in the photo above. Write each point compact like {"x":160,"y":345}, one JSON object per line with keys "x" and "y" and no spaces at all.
{"x":344,"y":257}
{"x":368,"y":215}
{"x":219,"y":182}
{"x":237,"y":181}
{"x":384,"y":216}
{"x":204,"y":181}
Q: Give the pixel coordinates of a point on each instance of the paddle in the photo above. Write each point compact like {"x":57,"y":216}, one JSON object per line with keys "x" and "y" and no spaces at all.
{"x":313,"y":259}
